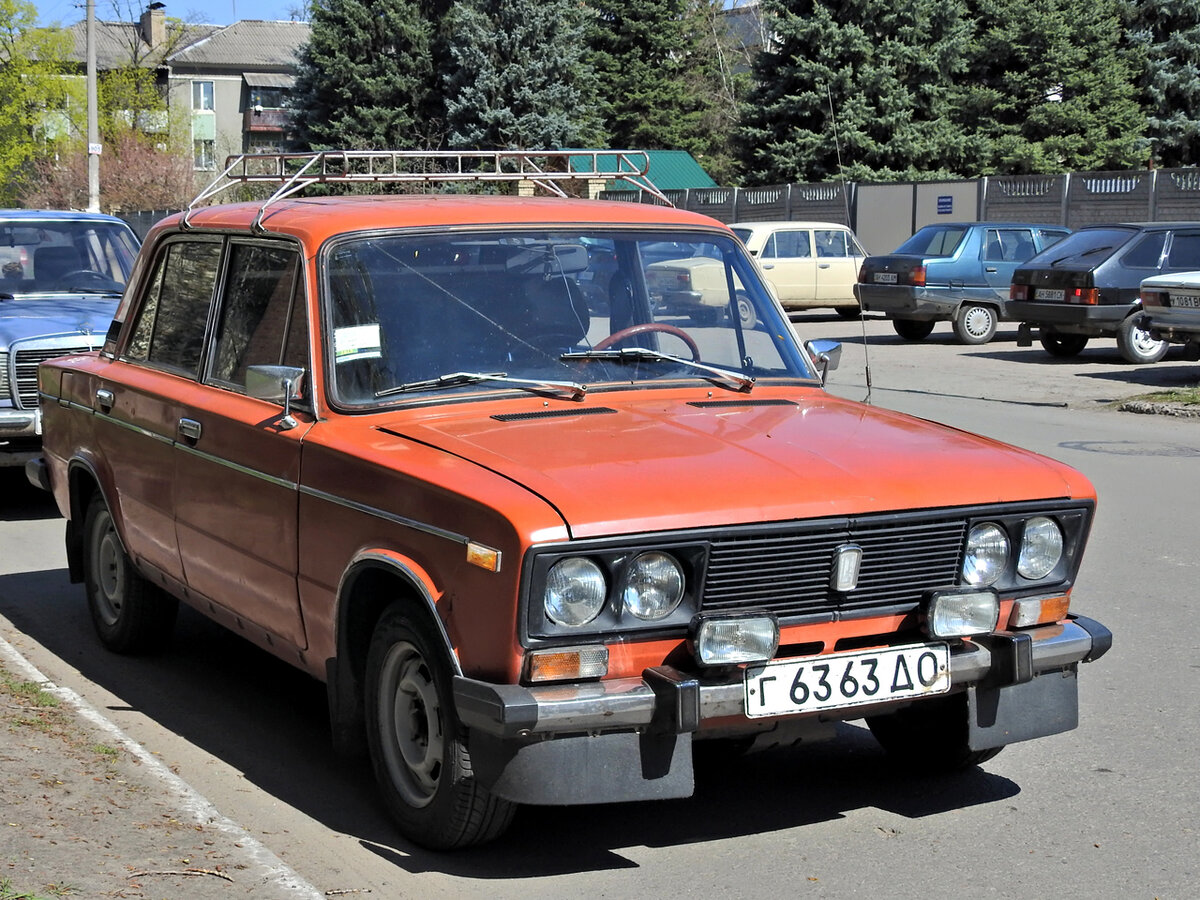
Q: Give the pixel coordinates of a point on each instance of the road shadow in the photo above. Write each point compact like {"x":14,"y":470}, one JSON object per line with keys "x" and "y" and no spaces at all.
{"x":268,"y":720}
{"x":20,"y":501}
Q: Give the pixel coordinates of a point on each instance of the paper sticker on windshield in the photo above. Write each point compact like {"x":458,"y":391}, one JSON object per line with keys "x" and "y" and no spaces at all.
{"x":357,"y":342}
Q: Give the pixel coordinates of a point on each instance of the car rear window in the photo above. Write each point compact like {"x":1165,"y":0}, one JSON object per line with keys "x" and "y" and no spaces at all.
{"x":934,"y":240}
{"x":1091,"y":246}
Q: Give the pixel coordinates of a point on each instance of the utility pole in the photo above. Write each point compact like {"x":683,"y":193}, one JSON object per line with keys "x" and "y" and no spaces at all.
{"x":93,"y":115}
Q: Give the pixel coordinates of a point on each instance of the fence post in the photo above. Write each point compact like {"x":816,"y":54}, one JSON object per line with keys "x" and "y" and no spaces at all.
{"x":1154,"y":195}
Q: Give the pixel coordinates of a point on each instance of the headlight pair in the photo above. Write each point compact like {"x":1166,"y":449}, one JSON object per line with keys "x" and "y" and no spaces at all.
{"x":649,"y":587}
{"x":988,"y":553}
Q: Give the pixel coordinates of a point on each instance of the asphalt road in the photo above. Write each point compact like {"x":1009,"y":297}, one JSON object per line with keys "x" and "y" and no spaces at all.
{"x":1108,"y":810}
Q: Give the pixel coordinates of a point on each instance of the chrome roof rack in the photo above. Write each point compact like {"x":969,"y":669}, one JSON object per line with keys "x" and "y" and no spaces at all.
{"x":544,"y":168}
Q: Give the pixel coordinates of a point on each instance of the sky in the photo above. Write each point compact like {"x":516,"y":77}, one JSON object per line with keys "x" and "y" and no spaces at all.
{"x":207,"y":12}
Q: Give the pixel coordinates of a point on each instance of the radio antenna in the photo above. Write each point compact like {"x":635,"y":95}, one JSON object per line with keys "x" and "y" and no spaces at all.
{"x":837,"y":145}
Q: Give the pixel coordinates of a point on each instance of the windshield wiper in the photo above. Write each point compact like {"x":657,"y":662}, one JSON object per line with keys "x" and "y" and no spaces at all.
{"x":455,"y":379}
{"x":1080,"y":255}
{"x":644,"y":354}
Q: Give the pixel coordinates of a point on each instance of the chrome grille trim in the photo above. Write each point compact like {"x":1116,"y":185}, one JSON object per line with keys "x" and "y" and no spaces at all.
{"x":27,"y":355}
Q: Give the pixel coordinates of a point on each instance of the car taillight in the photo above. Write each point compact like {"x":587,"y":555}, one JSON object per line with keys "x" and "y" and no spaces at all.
{"x":918,"y":276}
{"x":684,"y":279}
{"x":1154,"y":298}
{"x":1018,"y":292}
{"x":862,"y":273}
{"x":1087,"y":296}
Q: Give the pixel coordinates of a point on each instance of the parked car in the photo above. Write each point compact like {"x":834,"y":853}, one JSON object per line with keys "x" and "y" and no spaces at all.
{"x":537,"y":549}
{"x":1088,"y":286}
{"x":1171,"y":310}
{"x":689,"y":279}
{"x":61,"y":274}
{"x":955,"y":272}
{"x":809,"y":265}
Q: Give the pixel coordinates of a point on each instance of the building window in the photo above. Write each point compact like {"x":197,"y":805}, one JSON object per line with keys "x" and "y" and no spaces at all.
{"x":204,"y":154}
{"x":266,"y":97}
{"x":202,"y":95}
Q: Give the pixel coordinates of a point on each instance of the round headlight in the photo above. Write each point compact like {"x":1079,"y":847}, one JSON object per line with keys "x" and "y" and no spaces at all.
{"x":1041,"y":548}
{"x":575,"y":591}
{"x":987,"y":554}
{"x":652,"y":586}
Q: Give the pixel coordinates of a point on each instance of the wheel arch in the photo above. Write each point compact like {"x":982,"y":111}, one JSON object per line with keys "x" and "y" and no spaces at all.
{"x":370,"y":585}
{"x":83,"y":482}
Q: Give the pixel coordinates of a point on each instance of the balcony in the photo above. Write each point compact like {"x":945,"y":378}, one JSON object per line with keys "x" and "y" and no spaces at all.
{"x":272,"y":120}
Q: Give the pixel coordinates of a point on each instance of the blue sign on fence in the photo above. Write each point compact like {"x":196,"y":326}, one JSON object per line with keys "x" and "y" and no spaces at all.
{"x":946,"y":205}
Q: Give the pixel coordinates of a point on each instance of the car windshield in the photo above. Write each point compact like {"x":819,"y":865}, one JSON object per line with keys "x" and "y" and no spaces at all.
{"x":1091,"y":246}
{"x":934,"y":240}
{"x":550,"y":312}
{"x":63,"y":256}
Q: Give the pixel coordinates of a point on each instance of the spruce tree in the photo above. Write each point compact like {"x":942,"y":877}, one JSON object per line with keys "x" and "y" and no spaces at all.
{"x":1168,"y":32}
{"x":1051,"y":88}
{"x":518,"y":79}
{"x":365,"y":78}
{"x":860,"y":89}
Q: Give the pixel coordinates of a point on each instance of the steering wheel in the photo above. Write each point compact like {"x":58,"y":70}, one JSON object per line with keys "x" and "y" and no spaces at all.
{"x":87,"y":276}
{"x":633,"y":330}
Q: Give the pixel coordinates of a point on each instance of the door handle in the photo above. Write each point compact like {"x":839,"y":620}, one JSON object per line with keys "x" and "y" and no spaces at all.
{"x":823,"y":265}
{"x":990,"y":269}
{"x":105,"y":399}
{"x":190,"y":429}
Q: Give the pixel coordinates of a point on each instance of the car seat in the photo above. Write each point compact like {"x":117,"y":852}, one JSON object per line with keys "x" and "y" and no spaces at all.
{"x":50,"y":264}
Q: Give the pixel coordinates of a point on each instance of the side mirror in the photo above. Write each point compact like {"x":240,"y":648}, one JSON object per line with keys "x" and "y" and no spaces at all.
{"x":276,"y":384}
{"x":826,"y":354}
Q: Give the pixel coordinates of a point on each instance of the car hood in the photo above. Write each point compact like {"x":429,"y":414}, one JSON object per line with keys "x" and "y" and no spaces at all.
{"x":23,"y":318}
{"x":625,"y":463}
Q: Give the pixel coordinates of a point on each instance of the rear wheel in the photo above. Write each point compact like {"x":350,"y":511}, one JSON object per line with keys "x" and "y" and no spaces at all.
{"x":1062,"y":345}
{"x":974,"y":324}
{"x":1136,"y":344}
{"x":746,"y":314}
{"x":130,"y":614}
{"x":417,"y":745}
{"x":912,"y":329}
{"x":930,"y":735}
{"x":848,"y":312}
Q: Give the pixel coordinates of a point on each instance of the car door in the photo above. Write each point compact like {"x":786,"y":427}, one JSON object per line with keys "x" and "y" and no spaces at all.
{"x":838,"y":260}
{"x":136,"y":398}
{"x":1003,"y":250}
{"x":788,"y":263}
{"x":237,"y":457}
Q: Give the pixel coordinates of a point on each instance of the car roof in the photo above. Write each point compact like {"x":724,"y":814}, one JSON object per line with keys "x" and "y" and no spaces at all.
{"x":62,"y":215}
{"x":316,"y":219}
{"x":784,"y":223}
{"x":996,"y":224}
{"x":1144,"y":226}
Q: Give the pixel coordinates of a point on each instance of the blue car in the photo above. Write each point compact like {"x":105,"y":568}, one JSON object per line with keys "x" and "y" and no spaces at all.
{"x":61,"y":277}
{"x":955,"y":272}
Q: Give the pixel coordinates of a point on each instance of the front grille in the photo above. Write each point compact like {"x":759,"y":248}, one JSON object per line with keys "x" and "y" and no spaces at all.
{"x":26,"y":361}
{"x":789,"y":572}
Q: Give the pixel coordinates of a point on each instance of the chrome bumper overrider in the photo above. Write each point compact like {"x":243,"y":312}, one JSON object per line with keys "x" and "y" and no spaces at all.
{"x":666,"y":699}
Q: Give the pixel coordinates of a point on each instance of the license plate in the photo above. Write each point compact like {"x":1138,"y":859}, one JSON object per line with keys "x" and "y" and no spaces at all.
{"x":886,"y":278}
{"x":1186,"y":301}
{"x":839,"y":680}
{"x":1055,"y":294}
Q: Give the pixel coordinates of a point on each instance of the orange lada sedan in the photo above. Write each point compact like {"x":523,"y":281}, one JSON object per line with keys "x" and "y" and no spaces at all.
{"x":539,"y":537}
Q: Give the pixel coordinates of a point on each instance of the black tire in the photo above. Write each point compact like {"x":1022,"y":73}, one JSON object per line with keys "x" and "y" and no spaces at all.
{"x":130,"y":614}
{"x":912,"y":329}
{"x":746,"y":314}
{"x":930,"y":735}
{"x":1136,"y":344}
{"x":974,"y":323}
{"x":418,"y":749}
{"x":1062,"y":345}
{"x":851,"y":313}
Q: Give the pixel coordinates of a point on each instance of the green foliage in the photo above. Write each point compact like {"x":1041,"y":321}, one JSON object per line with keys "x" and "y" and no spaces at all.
{"x":1168,"y":33}
{"x":366,"y":77}
{"x":860,"y":89}
{"x":1050,"y":88}
{"x":518,"y":78}
{"x":35,"y":96}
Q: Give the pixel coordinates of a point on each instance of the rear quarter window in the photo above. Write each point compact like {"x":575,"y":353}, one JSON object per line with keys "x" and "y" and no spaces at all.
{"x":1185,"y":251}
{"x":1146,"y":252}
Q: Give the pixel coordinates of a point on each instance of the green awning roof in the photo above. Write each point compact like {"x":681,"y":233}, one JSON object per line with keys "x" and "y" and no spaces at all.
{"x":670,"y":170}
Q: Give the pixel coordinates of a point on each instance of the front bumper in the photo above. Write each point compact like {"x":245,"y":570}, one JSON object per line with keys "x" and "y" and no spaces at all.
{"x":20,"y":435}
{"x":931,"y":304}
{"x":667,"y":699}
{"x":1068,"y":318}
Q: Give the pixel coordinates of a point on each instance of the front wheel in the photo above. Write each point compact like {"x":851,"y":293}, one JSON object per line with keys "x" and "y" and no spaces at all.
{"x":1136,"y":344}
{"x":1062,"y":345}
{"x":418,"y":750}
{"x":912,"y":329}
{"x":131,"y":615}
{"x":974,"y":324}
{"x":930,"y":735}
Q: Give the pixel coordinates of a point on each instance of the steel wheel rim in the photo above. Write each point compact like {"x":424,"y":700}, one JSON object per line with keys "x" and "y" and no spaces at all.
{"x":108,"y":558}
{"x":1143,"y":344}
{"x":410,"y":725}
